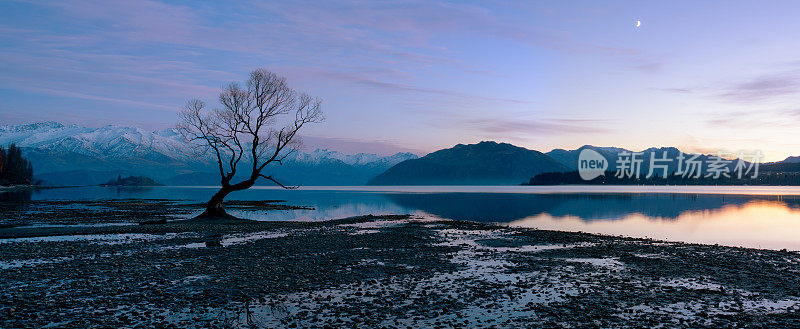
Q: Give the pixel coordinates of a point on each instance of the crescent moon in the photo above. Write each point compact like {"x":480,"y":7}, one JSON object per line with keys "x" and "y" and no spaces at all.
{"x":638,"y":23}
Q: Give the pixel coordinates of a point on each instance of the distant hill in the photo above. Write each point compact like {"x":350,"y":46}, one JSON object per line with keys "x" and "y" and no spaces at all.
{"x":485,"y":163}
{"x":792,"y":159}
{"x":780,"y":167}
{"x":786,"y":172}
{"x":76,"y":155}
{"x":569,"y":158}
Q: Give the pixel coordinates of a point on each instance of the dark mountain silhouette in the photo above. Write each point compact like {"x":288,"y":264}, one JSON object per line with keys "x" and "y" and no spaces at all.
{"x":786,"y":172}
{"x":792,"y":159}
{"x":485,"y":163}
{"x":569,"y":158}
{"x":780,"y":167}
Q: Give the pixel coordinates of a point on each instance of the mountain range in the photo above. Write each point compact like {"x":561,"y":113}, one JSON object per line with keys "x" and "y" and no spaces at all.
{"x":485,"y":163}
{"x":491,"y":163}
{"x":570,"y":158}
{"x":76,"y":155}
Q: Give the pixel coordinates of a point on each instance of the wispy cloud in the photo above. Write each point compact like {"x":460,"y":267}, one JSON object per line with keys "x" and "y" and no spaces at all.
{"x":792,"y":112}
{"x":103,"y":98}
{"x":647,"y":66}
{"x":534,"y":127}
{"x":746,"y":119}
{"x":781,"y":84}
{"x":147,"y":43}
{"x":346,"y":36}
{"x":394,"y":87}
{"x":676,"y":90}
{"x":763,"y":88}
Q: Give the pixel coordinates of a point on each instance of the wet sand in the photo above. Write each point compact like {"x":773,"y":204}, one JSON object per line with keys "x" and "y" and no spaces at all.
{"x":98,"y":267}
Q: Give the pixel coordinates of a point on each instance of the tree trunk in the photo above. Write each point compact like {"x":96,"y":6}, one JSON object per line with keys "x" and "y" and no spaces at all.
{"x":214,"y":209}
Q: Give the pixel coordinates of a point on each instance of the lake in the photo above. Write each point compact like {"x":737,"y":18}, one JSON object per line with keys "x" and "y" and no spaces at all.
{"x":758,"y":217}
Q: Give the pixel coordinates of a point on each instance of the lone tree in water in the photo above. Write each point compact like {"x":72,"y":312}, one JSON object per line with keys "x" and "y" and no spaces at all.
{"x":256,"y":125}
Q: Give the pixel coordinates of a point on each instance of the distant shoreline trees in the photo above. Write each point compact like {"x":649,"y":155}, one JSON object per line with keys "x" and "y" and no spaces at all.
{"x":14,"y":169}
{"x":573,"y":178}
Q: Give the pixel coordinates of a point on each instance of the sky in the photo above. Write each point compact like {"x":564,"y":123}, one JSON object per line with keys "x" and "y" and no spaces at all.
{"x":703,"y":76}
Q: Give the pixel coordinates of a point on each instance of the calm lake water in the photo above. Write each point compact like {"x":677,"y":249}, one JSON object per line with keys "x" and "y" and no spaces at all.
{"x":760,"y":217}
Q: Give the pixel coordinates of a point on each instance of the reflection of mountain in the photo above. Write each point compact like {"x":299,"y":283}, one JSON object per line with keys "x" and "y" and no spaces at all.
{"x":496,"y":207}
{"x":326,"y":204}
{"x":482,"y":207}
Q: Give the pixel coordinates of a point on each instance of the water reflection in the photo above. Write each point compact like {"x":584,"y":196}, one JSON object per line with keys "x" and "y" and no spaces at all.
{"x":760,"y":220}
{"x":16,"y":196}
{"x":496,"y":207}
{"x":755,"y":224}
{"x":130,"y":191}
{"x":757,"y":221}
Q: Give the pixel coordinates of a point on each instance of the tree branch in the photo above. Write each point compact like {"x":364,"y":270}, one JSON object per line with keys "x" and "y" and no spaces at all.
{"x":279,"y":184}
{"x":251,"y":114}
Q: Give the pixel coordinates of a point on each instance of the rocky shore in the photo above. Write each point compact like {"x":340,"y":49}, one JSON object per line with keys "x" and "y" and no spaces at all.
{"x":104,"y":270}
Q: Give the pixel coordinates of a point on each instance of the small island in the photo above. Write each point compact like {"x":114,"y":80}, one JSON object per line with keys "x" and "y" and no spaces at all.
{"x":132,"y":181}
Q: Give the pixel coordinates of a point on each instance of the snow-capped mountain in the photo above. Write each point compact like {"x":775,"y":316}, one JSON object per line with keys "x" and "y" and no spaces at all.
{"x":70,"y":154}
{"x":360,"y":159}
{"x":107,"y":142}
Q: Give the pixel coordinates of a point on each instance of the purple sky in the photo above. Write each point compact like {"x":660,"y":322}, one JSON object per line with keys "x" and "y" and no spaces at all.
{"x":425,"y":75}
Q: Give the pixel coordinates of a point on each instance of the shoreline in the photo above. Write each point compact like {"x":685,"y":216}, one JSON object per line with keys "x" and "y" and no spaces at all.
{"x":189,"y":225}
{"x":778,"y":190}
{"x":384,"y":271}
{"x":14,"y":188}
{"x":94,"y":214}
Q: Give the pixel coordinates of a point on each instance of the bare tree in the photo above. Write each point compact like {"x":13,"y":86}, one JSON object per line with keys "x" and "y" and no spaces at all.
{"x":258,"y":123}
